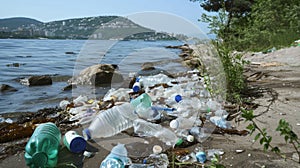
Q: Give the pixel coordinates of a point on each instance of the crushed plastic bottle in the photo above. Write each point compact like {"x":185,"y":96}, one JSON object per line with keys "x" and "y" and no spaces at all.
{"x":212,"y":152}
{"x":42,"y":148}
{"x":116,"y":119}
{"x":117,"y":158}
{"x":220,"y":122}
{"x":120,"y":94}
{"x":148,"y":81}
{"x":144,"y":128}
{"x":198,"y":134}
{"x":159,"y":160}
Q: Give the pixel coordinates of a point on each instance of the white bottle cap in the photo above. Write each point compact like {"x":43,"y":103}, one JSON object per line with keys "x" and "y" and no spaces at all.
{"x":174,"y":124}
{"x":190,"y":138}
{"x":157,"y":149}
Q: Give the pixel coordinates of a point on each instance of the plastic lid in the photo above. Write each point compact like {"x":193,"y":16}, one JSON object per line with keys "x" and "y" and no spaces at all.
{"x":136,"y":88}
{"x":178,"y":98}
{"x":39,"y":159}
{"x":174,"y":124}
{"x":157,"y":149}
{"x":86,"y":134}
{"x":190,"y":138}
{"x":77,"y":145}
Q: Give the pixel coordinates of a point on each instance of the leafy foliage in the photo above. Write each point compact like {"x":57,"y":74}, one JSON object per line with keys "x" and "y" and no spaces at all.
{"x":253,"y":25}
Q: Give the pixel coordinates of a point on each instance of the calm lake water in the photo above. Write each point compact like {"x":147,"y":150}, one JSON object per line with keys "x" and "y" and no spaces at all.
{"x":48,"y":57}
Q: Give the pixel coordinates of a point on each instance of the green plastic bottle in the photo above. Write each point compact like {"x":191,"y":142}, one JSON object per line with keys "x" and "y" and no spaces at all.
{"x":42,"y":148}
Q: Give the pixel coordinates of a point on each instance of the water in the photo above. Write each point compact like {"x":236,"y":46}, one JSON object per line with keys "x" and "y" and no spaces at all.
{"x":47,"y":57}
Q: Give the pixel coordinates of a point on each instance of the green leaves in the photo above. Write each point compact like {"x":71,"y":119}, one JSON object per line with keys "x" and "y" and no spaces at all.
{"x":285,"y":130}
{"x":247,"y":114}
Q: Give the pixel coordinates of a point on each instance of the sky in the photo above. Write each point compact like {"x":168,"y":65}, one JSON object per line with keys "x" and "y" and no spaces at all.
{"x":143,"y":11}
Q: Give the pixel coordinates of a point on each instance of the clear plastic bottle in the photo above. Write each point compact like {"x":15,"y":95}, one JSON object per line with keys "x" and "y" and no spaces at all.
{"x":147,"y":81}
{"x":116,"y":119}
{"x":184,"y":123}
{"x":42,"y":148}
{"x":117,"y":158}
{"x":220,"y":122}
{"x":144,"y":128}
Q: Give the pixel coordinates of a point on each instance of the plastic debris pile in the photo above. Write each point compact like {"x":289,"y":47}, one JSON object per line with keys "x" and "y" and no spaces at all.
{"x":184,"y":103}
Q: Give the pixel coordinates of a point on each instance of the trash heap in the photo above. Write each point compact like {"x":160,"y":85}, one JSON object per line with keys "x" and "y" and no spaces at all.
{"x":176,"y":111}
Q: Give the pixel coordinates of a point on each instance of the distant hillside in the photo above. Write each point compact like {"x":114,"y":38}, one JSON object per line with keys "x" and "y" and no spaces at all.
{"x":101,"y":27}
{"x":16,"y":22}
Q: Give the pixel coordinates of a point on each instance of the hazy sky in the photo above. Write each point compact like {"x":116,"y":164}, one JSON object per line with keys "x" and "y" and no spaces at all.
{"x":50,"y":10}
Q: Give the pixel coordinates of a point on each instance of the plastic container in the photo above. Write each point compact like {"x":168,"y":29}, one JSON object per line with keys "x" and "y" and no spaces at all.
{"x":220,"y":122}
{"x":198,"y":134}
{"x":184,"y":123}
{"x":74,"y":142}
{"x":42,"y":148}
{"x":136,"y":87}
{"x":117,"y":158}
{"x":147,"y":81}
{"x":116,"y":119}
{"x":144,"y":128}
{"x":201,"y":156}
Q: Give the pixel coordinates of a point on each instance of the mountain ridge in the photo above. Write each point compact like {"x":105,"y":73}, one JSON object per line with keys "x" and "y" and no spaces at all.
{"x":97,"y":27}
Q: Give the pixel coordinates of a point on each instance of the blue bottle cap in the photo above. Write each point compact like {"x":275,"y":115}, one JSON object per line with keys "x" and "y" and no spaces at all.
{"x":137,"y":79}
{"x":178,"y":98}
{"x":136,"y":88}
{"x":77,"y":145}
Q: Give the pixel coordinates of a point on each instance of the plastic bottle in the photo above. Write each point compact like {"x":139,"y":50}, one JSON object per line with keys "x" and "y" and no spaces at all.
{"x":198,"y":134}
{"x":74,"y":142}
{"x":42,"y":148}
{"x":220,"y":122}
{"x":116,"y":119}
{"x":147,"y":81}
{"x":184,"y":123}
{"x":144,"y":128}
{"x":136,"y":87}
{"x":117,"y":158}
{"x":201,"y":156}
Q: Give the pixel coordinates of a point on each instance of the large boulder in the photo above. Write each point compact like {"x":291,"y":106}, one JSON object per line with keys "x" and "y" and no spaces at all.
{"x":39,"y":80}
{"x":7,"y":88}
{"x":98,"y":75}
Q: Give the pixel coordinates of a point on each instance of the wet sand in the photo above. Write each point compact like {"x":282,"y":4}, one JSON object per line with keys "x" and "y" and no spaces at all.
{"x":279,"y":71}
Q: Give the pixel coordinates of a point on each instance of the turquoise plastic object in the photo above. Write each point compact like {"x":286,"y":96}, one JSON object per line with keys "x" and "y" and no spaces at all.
{"x":117,"y":158}
{"x":42,"y":148}
{"x":143,"y":99}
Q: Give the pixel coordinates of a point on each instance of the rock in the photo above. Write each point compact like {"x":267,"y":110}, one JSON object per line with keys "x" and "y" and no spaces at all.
{"x":98,"y":75}
{"x":193,"y":63}
{"x":39,"y":80}
{"x":148,"y":70}
{"x":184,"y":54}
{"x":69,"y":87}
{"x":7,"y":88}
{"x":70,"y":52}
